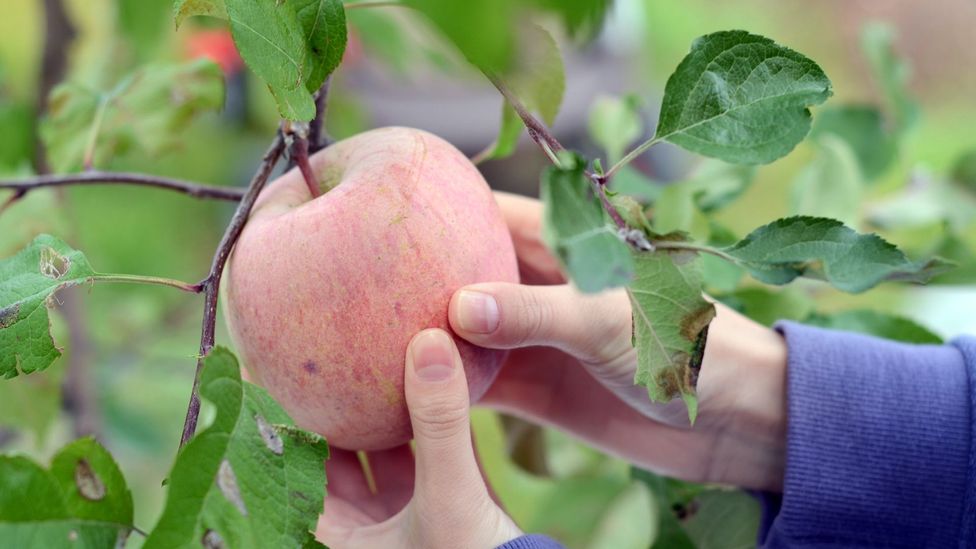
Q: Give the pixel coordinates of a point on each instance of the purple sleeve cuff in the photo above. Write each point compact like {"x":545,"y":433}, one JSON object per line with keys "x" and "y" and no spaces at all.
{"x":531,"y":541}
{"x":879,"y":444}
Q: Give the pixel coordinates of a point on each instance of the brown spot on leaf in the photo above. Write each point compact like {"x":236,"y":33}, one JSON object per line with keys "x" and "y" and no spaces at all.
{"x":53,"y":265}
{"x":212,"y":540}
{"x":227,"y":482}
{"x":8,"y":315}
{"x":89,"y":485}
{"x":694,"y":322}
{"x":269,"y":435}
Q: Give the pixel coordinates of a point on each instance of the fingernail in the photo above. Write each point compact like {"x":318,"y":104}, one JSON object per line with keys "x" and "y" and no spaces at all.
{"x":477,"y":312}
{"x":433,"y":355}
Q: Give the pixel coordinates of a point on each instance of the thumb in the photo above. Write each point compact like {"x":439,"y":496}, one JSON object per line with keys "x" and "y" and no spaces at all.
{"x":593,"y":328}
{"x":437,"y":399}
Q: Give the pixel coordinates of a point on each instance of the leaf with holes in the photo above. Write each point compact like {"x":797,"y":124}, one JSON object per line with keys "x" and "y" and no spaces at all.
{"x":741,"y":98}
{"x":825,"y":249}
{"x":671,"y":321}
{"x":148,"y":109}
{"x":251,"y":479}
{"x":28,"y":281}
{"x":578,"y":231}
{"x":82,"y":501}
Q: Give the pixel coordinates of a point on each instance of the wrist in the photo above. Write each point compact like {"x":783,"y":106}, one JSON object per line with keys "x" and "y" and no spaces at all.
{"x":743,"y":393}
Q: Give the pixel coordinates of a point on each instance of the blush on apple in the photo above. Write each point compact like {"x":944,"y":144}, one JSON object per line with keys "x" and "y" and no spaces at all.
{"x":322,"y":295}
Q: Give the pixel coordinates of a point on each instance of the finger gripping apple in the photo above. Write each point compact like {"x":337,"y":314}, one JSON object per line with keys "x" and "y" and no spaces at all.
{"x":322,"y":296}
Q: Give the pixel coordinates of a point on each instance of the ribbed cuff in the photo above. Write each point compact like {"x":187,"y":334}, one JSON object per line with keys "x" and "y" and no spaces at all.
{"x":531,"y":541}
{"x":878,"y":444}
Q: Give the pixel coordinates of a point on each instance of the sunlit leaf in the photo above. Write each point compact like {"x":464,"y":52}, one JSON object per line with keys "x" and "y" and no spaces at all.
{"x":741,"y":98}
{"x":251,"y":479}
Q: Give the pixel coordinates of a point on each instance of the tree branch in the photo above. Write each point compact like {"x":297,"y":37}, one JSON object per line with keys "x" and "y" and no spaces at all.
{"x":211,"y":284}
{"x":318,"y":137}
{"x":23,"y":186}
{"x":543,"y":137}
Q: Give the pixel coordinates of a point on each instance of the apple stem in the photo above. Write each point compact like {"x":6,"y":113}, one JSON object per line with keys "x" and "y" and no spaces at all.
{"x":318,"y":137}
{"x":211,"y":284}
{"x":299,"y":154}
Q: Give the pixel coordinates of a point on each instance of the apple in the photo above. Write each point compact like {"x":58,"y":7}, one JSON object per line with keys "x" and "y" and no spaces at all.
{"x":322,"y":295}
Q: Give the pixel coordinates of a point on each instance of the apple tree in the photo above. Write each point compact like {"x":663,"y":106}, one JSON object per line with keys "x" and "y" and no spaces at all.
{"x":736,"y":99}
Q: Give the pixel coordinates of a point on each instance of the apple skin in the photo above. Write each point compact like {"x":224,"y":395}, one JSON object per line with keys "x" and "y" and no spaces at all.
{"x":322,"y":296}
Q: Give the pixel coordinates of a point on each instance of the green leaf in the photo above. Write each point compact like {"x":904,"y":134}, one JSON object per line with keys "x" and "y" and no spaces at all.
{"x":381,"y":35}
{"x":580,"y":17}
{"x":825,"y":249}
{"x":877,"y":41}
{"x":27,"y":282}
{"x":926,"y":201}
{"x":251,"y":479}
{"x":741,"y":98}
{"x":878,"y":324}
{"x":615,"y":123}
{"x":671,"y":321}
{"x":82,"y":502}
{"x":148,"y":109}
{"x":767,"y":306}
{"x":716,"y":184}
{"x":324,"y":27}
{"x":483,"y":30}
{"x":538,"y":80}
{"x":831,"y":185}
{"x":293,"y":46}
{"x":862,"y":127}
{"x":189,"y":8}
{"x":577,"y":229}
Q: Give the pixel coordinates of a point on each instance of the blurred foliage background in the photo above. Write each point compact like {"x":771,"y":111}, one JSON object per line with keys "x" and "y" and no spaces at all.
{"x":129,"y":355}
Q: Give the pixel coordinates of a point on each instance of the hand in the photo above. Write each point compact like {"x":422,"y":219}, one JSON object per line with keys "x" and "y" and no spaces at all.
{"x":562,"y":340}
{"x":432,"y":497}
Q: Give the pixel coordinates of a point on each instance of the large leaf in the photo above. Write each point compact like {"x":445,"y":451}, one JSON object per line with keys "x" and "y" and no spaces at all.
{"x":831,"y":185}
{"x":668,"y":533}
{"x":251,"y":479}
{"x":149,"y":108}
{"x":27,"y":282}
{"x":83,"y":501}
{"x":538,"y":80}
{"x":577,"y":229}
{"x":825,"y":249}
{"x":615,"y":123}
{"x":483,"y":30}
{"x":671,"y":321}
{"x":741,"y":98}
{"x":876,"y":323}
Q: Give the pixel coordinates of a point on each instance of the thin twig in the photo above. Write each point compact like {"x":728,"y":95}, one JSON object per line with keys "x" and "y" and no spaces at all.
{"x":551,"y":146}
{"x":211,"y":284}
{"x":23,"y":186}
{"x":678,"y":245}
{"x":318,"y":137}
